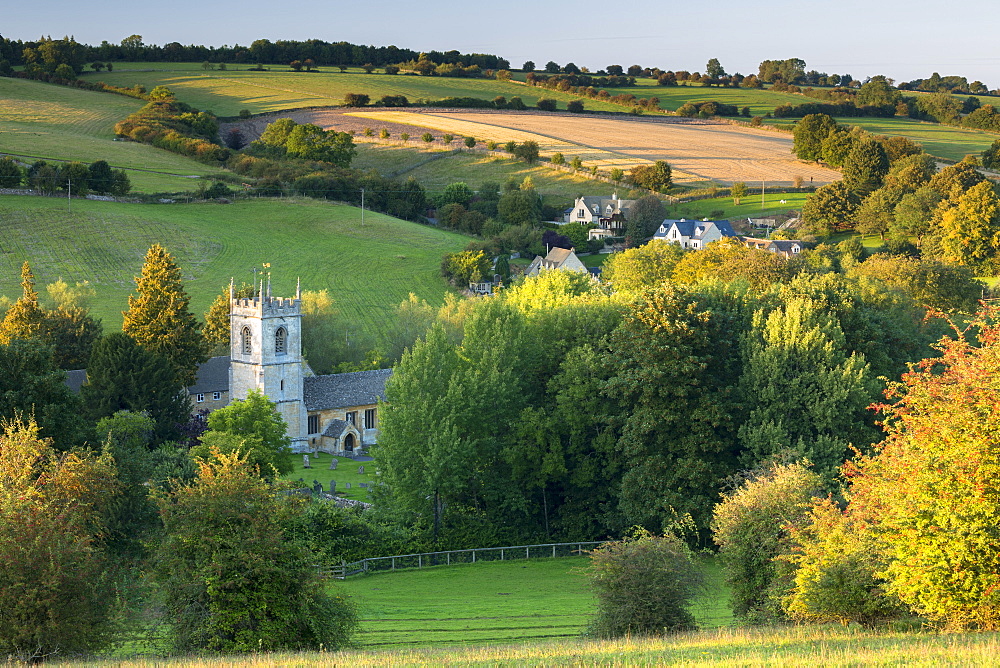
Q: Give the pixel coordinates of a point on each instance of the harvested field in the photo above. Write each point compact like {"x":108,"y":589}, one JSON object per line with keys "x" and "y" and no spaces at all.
{"x":698,"y":150}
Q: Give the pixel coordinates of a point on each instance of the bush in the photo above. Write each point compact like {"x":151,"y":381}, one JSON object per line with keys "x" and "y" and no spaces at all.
{"x":546,"y":104}
{"x":356,"y":100}
{"x":751,"y":527}
{"x":644,"y":585}
{"x":575,"y":106}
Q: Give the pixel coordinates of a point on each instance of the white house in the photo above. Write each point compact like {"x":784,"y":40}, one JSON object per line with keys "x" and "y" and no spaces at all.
{"x":608,"y":213}
{"x":557,"y":258}
{"x":694,"y":233}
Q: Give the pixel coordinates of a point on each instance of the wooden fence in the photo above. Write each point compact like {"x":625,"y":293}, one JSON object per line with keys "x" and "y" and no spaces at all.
{"x":454,"y":557}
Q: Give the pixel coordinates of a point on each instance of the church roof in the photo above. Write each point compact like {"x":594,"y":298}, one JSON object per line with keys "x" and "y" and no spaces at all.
{"x":212,"y":376}
{"x":343,"y":390}
{"x":335,"y":428}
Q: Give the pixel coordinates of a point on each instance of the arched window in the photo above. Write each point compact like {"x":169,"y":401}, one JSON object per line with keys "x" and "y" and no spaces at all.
{"x":281,"y":341}
{"x":246,"y":341}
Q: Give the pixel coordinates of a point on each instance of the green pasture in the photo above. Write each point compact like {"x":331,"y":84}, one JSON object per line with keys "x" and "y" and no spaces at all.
{"x":367,"y":270}
{"x":944,"y":141}
{"x":61,"y":123}
{"x":435,"y":169}
{"x":347,"y":472}
{"x":760,"y":101}
{"x":749,"y":207}
{"x":227,"y":92}
{"x":491,"y":602}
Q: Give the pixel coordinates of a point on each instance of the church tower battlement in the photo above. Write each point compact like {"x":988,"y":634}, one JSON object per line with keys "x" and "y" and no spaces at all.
{"x":265,"y":335}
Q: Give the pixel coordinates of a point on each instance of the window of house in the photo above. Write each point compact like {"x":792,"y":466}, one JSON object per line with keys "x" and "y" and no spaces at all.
{"x":313,"y":424}
{"x":369,"y":418}
{"x":246,"y":341}
{"x":795,"y":249}
{"x":581,"y":213}
{"x":216,"y":396}
{"x":675,"y":234}
{"x":281,"y":341}
{"x":352,"y":417}
{"x":282,"y":385}
{"x":200,"y":398}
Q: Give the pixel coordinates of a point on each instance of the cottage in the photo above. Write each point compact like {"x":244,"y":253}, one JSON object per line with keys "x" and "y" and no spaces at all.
{"x":784,"y":247}
{"x":607,"y":213}
{"x":557,"y":258}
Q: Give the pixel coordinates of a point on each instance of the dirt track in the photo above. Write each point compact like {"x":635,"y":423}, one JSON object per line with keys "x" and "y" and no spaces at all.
{"x":697,"y":150}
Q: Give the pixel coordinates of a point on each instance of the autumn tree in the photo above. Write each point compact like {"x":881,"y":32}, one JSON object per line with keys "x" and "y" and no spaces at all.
{"x":830,"y":208}
{"x":54,"y":595}
{"x":970,"y":228}
{"x":930,"y":490}
{"x":24,"y":318}
{"x":159,"y":319}
{"x":653,"y":177}
{"x":646,"y":266}
{"x":234,"y":580}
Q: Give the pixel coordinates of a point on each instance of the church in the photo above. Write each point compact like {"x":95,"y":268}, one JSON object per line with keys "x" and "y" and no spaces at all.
{"x":335,"y":413}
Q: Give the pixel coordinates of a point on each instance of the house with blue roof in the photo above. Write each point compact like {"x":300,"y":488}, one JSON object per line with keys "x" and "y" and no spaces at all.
{"x":694,"y":234}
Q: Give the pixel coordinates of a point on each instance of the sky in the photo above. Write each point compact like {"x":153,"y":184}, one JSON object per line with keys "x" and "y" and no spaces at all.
{"x":903,"y":40}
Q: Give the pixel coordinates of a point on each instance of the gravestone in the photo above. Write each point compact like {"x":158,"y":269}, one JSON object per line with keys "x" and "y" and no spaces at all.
{"x":347,"y":485}
{"x":333,"y":464}
{"x":317,"y":487}
{"x":305,"y":462}
{"x":302,"y":480}
{"x":363,"y":484}
{"x":333,"y":487}
{"x":361,"y":470}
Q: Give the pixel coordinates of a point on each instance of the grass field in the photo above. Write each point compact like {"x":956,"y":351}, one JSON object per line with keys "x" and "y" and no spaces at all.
{"x":749,"y":207}
{"x":226,"y":93}
{"x":367,"y":270}
{"x":673,"y":97}
{"x":61,"y":123}
{"x":492,"y":602}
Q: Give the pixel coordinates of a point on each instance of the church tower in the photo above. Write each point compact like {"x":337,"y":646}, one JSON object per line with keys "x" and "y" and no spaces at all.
{"x":265,"y":335}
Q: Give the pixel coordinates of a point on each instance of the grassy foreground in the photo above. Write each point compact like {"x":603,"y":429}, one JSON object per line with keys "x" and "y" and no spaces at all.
{"x":788,"y":646}
{"x":367,"y":270}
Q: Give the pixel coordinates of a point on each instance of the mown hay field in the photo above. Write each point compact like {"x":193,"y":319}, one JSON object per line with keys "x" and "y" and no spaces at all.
{"x":367,"y":270}
{"x":40,"y":120}
{"x":229,"y":91}
{"x":698,"y":151}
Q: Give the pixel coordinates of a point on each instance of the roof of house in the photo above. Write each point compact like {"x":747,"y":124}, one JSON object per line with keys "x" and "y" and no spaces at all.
{"x":75,"y":379}
{"x":695,"y":229}
{"x":212,"y":376}
{"x":602,"y":204}
{"x":786,"y":245}
{"x":342,"y":390}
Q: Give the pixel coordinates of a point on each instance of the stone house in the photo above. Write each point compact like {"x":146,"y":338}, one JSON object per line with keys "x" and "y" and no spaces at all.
{"x":607,"y":213}
{"x":786,"y":248}
{"x":557,"y":258}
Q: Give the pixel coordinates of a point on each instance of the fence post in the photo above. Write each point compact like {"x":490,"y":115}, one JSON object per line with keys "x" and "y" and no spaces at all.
{"x":394,"y":563}
{"x":527,"y":552}
{"x":420,"y":561}
{"x":553,"y":551}
{"x":473,"y":556}
{"x":448,"y":554}
{"x":501,"y":554}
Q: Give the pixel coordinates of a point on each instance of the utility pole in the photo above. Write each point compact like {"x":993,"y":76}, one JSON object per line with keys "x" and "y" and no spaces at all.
{"x":362,"y":207}
{"x":69,"y":195}
{"x":762,"y":196}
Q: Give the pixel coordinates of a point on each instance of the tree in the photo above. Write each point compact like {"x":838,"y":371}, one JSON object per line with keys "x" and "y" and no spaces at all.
{"x":54,"y":597}
{"x":877,"y":211}
{"x":552,"y":67}
{"x":912,"y":216}
{"x":427,"y":137}
{"x":100,"y":177}
{"x":714,"y":69}
{"x":519,"y":207}
{"x":356,"y":100}
{"x":24,"y":318}
{"x":529,"y":66}
{"x":643,"y":267}
{"x":971,"y":228}
{"x":11,"y":174}
{"x":527,"y":151}
{"x":121,"y":185}
{"x":830,"y":208}
{"x":253,"y":428}
{"x":73,"y":177}
{"x":752,"y":527}
{"x":546,"y":104}
{"x":644,"y":218}
{"x":158,"y":317}
{"x":808,"y":136}
{"x":470,"y":142}
{"x":311,"y":142}
{"x":991,"y":156}
{"x":575,"y":106}
{"x":234,"y":579}
{"x":657,"y":176}
{"x":738,"y":192}
{"x":123,"y":376}
{"x":795,"y":364}
{"x":457,"y":193}
{"x":930,"y":283}
{"x":878,"y":91}
{"x":644,"y":584}
{"x":865,"y":167}
{"x":929,"y":492}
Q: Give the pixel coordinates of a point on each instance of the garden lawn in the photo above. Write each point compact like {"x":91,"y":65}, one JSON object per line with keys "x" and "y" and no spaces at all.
{"x":50,"y":122}
{"x":227,"y":92}
{"x":497,"y":601}
{"x":367,"y":270}
{"x":749,"y":207}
